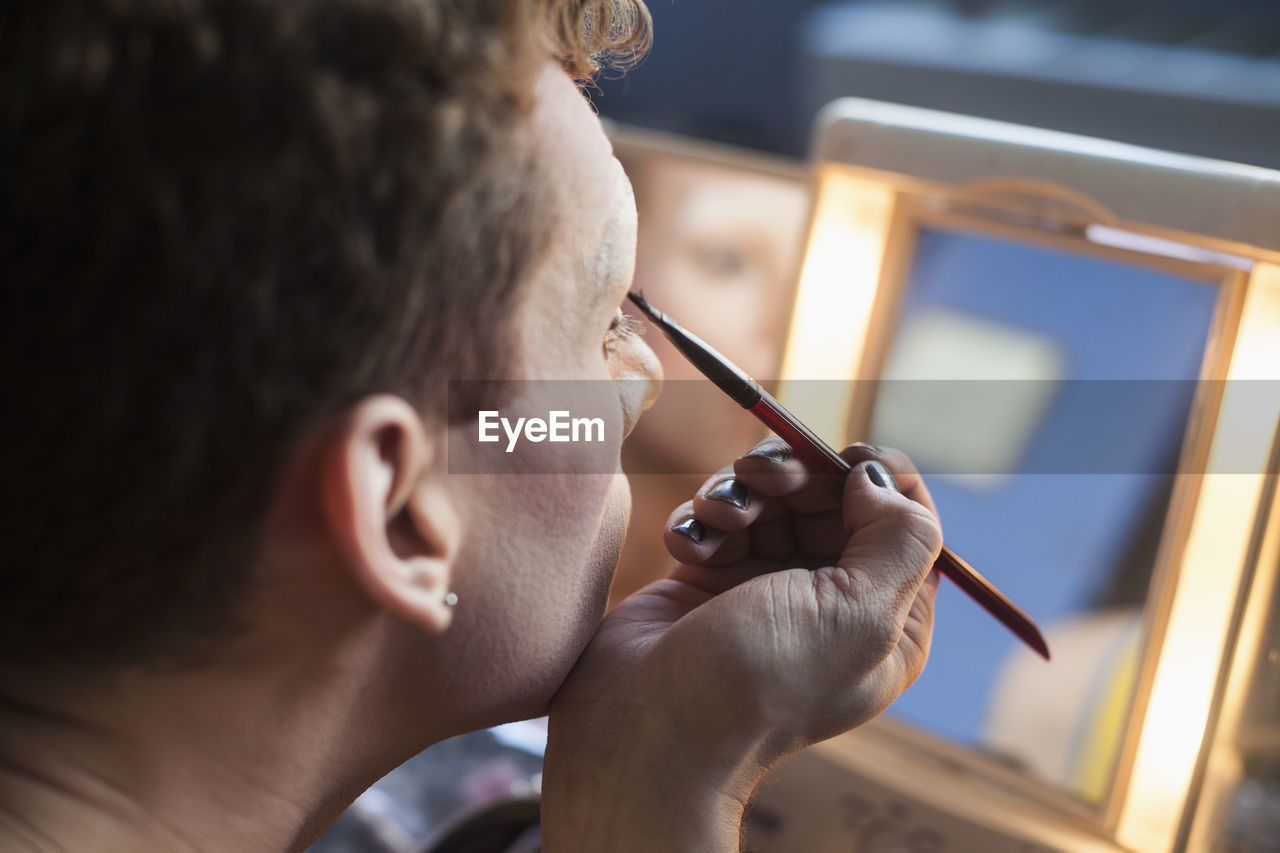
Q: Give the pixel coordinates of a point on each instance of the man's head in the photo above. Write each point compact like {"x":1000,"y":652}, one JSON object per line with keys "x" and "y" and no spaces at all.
{"x":223,"y":225}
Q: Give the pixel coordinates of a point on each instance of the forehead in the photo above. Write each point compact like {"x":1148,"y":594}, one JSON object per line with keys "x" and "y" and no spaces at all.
{"x":567,"y":133}
{"x":595,"y":207}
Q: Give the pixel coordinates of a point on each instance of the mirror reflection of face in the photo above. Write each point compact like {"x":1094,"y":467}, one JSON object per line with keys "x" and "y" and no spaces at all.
{"x":718,"y":251}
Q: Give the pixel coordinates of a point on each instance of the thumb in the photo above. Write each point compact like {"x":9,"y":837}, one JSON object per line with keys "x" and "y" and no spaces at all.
{"x":893,"y":541}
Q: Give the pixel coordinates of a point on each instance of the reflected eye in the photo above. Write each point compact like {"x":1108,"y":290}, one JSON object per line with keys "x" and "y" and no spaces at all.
{"x":721,"y":261}
{"x":622,"y":328}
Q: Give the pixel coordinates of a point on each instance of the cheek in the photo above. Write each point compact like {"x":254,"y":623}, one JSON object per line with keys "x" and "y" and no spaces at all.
{"x":535,"y":583}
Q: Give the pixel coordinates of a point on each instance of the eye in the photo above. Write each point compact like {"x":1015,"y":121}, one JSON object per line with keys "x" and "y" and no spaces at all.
{"x":622,"y":328}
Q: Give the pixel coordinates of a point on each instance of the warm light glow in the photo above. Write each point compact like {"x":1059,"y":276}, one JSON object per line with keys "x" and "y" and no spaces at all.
{"x":833,"y":303}
{"x":1210,"y":575}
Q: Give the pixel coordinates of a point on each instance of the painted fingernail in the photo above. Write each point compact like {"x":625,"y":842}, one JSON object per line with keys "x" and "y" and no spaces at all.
{"x":880,"y":475}
{"x":773,"y":451}
{"x":729,"y":491}
{"x":692,"y":528}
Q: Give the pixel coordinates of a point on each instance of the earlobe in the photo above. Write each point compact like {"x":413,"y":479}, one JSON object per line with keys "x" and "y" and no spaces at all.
{"x":389,"y":513}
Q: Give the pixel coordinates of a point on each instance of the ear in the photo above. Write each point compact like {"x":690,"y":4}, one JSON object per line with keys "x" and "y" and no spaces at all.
{"x":387,"y":510}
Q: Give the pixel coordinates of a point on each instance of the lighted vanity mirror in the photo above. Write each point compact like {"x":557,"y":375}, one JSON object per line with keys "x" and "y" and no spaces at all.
{"x":1077,"y":342}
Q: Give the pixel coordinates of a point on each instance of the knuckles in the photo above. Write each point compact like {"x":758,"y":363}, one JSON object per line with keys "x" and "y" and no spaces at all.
{"x":921,"y":526}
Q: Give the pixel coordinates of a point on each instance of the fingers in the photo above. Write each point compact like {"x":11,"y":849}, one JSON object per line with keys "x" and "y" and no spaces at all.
{"x":701,"y":531}
{"x":904,"y":471}
{"x":893,"y":539}
{"x":772,"y":469}
{"x":800,"y":573}
{"x":768,"y":505}
{"x":690,"y":538}
{"x":726,"y":502}
{"x":750,"y":508}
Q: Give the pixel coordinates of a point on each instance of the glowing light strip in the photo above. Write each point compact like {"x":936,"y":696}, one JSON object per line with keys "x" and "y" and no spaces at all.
{"x":1208,"y":583}
{"x":833,"y":303}
{"x":1105,"y":235}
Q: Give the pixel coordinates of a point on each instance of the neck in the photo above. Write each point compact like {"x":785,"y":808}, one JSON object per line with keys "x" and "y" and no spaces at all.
{"x":235,"y":757}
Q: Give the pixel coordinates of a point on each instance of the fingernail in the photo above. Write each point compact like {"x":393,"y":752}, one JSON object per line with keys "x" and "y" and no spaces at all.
{"x":729,"y":491}
{"x":773,"y":451}
{"x":874,"y":448}
{"x":692,"y":528}
{"x":880,"y":475}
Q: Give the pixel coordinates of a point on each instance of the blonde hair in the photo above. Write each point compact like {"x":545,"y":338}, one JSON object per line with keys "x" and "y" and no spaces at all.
{"x":594,"y":35}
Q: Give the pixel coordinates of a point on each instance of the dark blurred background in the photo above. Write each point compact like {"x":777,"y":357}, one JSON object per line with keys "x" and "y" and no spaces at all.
{"x":1197,"y":76}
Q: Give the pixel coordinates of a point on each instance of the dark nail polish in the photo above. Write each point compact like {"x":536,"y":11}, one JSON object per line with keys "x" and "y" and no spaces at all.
{"x":692,"y":528}
{"x":774,"y":452}
{"x":729,"y":491}
{"x":880,"y":475}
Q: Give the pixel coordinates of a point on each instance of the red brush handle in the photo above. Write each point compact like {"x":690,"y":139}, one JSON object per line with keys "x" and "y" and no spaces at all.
{"x":819,"y":456}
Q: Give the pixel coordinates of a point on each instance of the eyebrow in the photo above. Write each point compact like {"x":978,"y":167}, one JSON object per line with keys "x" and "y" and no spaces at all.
{"x":604,"y":263}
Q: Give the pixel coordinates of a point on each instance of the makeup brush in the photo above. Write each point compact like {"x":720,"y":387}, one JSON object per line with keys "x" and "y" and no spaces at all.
{"x":819,"y":456}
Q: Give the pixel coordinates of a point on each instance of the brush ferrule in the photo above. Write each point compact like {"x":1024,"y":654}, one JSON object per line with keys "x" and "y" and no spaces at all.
{"x":725,"y":374}
{"x":728,"y":378}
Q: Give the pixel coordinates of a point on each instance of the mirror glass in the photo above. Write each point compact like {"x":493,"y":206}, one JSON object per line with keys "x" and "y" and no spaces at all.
{"x":1045,"y":394}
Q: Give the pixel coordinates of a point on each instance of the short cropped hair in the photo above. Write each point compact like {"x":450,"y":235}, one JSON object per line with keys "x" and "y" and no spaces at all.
{"x":222,"y":222}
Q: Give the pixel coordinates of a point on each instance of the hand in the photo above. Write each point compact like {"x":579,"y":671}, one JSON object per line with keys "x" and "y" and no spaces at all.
{"x":790,"y":619}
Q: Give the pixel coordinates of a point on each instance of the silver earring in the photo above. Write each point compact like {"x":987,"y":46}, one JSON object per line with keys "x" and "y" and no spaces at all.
{"x":451,"y":599}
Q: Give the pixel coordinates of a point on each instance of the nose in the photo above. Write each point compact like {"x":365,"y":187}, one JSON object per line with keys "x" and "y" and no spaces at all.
{"x":639,"y":381}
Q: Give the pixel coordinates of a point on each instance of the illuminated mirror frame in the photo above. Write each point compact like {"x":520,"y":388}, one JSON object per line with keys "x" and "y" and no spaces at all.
{"x":872,"y":161}
{"x":1235,"y":732}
